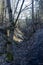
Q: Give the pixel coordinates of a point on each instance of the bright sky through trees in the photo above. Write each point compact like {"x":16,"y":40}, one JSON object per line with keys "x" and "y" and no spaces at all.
{"x":27,"y":2}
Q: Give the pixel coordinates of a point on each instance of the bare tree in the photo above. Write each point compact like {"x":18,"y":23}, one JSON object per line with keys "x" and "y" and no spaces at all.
{"x":33,"y":16}
{"x":19,"y":12}
{"x":33,"y":11}
{"x":16,"y":6}
{"x":10,"y":11}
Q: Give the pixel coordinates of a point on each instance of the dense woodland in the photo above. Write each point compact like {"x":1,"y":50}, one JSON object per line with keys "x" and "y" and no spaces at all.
{"x":21,"y":39}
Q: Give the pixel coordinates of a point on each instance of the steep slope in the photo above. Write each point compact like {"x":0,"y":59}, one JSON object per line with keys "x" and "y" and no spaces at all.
{"x":25,"y":53}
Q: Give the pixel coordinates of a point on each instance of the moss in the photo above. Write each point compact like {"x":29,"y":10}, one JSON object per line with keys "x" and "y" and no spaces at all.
{"x":9,"y":56}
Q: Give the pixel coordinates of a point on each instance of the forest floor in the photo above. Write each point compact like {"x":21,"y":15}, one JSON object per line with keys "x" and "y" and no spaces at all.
{"x":28,"y":52}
